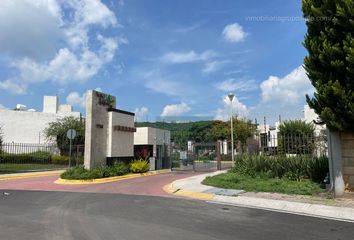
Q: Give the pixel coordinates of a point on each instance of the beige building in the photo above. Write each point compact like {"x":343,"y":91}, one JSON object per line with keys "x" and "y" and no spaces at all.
{"x":154,"y":144}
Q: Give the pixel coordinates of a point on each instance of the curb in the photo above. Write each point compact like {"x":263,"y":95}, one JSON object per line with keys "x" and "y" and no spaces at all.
{"x":109,"y":179}
{"x":316,"y":210}
{"x":342,"y":219}
{"x":186,"y":193}
{"x":30,"y":175}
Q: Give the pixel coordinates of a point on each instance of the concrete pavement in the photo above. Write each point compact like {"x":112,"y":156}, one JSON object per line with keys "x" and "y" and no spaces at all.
{"x":37,"y":215}
{"x":192,"y":187}
{"x":146,"y":185}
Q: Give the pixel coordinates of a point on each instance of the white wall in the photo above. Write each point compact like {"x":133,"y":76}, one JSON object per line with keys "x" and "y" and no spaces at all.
{"x":310,"y":116}
{"x":50,"y":104}
{"x":141,"y":136}
{"x":152,"y":136}
{"x":27,"y":127}
{"x":120,"y":143}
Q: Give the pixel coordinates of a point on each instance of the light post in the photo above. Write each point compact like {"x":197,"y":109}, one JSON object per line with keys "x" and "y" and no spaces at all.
{"x":231,"y":97}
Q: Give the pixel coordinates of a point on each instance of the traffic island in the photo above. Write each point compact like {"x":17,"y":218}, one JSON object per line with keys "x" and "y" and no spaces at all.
{"x":110,"y":179}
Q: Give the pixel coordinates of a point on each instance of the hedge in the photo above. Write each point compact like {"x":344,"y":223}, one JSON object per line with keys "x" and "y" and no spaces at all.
{"x":37,"y":158}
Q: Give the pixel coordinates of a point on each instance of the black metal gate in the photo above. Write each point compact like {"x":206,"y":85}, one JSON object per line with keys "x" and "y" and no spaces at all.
{"x":200,"y":157}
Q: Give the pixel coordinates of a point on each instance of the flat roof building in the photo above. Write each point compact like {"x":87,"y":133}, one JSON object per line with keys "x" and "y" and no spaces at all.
{"x":20,"y":125}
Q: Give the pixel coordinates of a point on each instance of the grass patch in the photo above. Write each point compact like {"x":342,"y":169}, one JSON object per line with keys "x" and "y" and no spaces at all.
{"x":13,"y":168}
{"x":258,"y":183}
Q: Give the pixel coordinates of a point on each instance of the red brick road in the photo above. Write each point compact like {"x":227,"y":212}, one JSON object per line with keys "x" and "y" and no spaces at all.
{"x":148,"y":185}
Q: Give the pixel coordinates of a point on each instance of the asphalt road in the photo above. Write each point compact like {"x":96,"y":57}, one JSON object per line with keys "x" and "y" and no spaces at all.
{"x":65,"y":215}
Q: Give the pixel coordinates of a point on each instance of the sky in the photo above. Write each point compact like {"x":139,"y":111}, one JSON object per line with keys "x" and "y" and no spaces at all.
{"x":160,"y":58}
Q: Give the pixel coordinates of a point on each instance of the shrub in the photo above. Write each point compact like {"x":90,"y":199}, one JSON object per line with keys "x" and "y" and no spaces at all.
{"x":80,"y":173}
{"x":76,"y":173}
{"x":120,"y":168}
{"x":139,"y":166}
{"x":38,"y":157}
{"x":64,"y":160}
{"x":293,"y":168}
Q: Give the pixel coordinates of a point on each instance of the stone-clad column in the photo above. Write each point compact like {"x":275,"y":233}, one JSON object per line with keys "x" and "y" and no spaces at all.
{"x":96,"y":128}
{"x":335,"y":163}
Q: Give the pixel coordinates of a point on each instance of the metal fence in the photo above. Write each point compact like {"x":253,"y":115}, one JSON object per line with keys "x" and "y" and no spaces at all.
{"x":218,"y":155}
{"x":291,"y":144}
{"x":22,"y":157}
{"x":200,"y":157}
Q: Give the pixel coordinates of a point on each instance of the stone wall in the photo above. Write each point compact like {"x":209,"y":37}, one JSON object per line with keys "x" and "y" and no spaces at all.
{"x":109,"y":132}
{"x":347,"y":147}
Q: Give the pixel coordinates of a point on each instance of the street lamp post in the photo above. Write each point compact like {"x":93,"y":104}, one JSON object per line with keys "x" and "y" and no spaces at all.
{"x":231,"y":98}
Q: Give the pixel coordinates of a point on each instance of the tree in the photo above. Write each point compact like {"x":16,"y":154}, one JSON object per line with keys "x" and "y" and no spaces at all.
{"x":330,"y":61}
{"x":296,"y":137}
{"x":243,"y":130}
{"x":220,"y":131}
{"x":201,"y":131}
{"x":57,"y":131}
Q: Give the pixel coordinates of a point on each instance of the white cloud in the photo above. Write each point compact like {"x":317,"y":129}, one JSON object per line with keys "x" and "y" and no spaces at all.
{"x":75,"y":99}
{"x":2,"y":106}
{"x":238,"y":109}
{"x":288,"y":90}
{"x":187,"y":57}
{"x":283,"y":96}
{"x":234,"y":33}
{"x":213,"y":66}
{"x":189,"y":28}
{"x":166,"y":84}
{"x":141,"y":114}
{"x":241,"y":85}
{"x":66,"y":66}
{"x":30,"y":28}
{"x":13,"y":87}
{"x":61,"y":49}
{"x":175,"y":110}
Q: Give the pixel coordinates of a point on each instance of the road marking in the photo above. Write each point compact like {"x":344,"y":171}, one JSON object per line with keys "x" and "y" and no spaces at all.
{"x":185,"y":193}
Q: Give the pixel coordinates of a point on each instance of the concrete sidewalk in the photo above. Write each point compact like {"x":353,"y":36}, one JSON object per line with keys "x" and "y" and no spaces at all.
{"x":192,"y":187}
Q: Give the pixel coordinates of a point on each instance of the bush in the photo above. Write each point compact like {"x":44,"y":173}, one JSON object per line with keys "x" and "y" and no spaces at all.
{"x":120,"y":168}
{"x":292,"y":168}
{"x":38,"y":157}
{"x":139,"y":166}
{"x":64,"y":160}
{"x":80,"y":173}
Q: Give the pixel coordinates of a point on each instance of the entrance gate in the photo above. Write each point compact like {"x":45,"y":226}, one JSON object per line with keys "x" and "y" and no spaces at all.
{"x":200,"y":157}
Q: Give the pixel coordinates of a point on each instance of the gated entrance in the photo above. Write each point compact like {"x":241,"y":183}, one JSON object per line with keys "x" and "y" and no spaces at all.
{"x":200,"y":157}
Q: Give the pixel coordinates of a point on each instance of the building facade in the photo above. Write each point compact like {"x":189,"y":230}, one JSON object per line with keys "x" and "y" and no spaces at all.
{"x":27,"y":126}
{"x":153,"y":143}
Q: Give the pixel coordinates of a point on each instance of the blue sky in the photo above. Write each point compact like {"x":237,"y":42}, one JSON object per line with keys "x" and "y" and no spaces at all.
{"x":159,"y":57}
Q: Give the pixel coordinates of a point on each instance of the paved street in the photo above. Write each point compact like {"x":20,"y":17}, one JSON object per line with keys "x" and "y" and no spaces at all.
{"x":148,"y":185}
{"x":63,"y":215}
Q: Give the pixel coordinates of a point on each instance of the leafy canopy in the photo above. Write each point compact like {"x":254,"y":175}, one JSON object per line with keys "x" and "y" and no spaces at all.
{"x":296,"y":127}
{"x":330,"y":61}
{"x":57,"y":130}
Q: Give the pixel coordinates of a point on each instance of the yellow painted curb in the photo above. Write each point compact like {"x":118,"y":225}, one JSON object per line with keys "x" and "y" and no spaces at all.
{"x":185,"y":193}
{"x":109,"y":179}
{"x":31,"y":175}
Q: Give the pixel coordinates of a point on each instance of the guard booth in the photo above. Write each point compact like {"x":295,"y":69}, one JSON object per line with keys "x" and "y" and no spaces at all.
{"x":153,"y":144}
